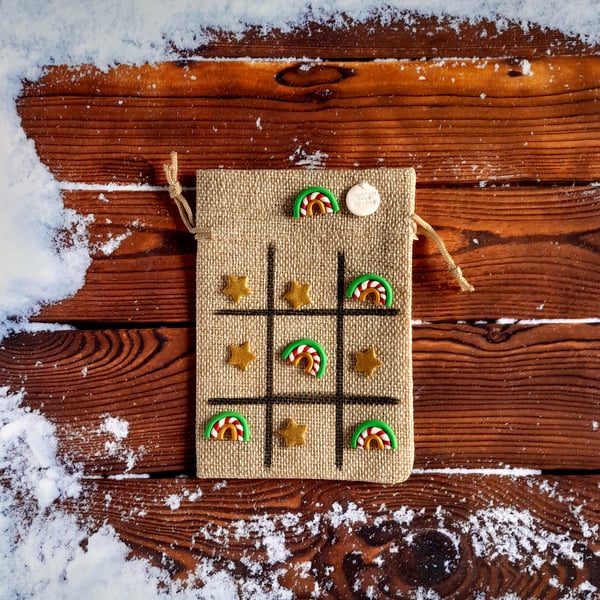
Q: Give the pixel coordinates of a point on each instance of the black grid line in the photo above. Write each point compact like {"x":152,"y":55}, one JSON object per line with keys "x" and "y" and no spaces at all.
{"x":268,"y":460}
{"x":316,"y":399}
{"x":309,"y":312}
{"x":339,"y":366}
{"x":337,"y":399}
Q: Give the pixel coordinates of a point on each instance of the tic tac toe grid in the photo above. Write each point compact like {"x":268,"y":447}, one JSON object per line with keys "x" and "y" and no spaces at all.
{"x":246,"y":228}
{"x":339,"y":399}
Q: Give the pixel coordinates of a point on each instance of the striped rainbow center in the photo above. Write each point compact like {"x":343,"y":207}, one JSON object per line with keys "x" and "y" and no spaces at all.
{"x":315,"y":200}
{"x":228,"y":426}
{"x":374,"y":435}
{"x":302,"y":352}
{"x":371,"y":288}
{"x":307,"y":354}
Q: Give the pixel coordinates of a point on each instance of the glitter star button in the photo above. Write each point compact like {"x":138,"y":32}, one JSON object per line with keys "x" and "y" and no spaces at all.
{"x":367,"y":362}
{"x":293,"y":433}
{"x":241,"y":356}
{"x":297,"y":294}
{"x":237,"y":287}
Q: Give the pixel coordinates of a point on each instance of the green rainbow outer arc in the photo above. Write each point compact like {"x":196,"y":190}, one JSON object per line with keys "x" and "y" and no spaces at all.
{"x":310,"y":190}
{"x":389,"y":293}
{"x":374,"y":423}
{"x":224,"y":415}
{"x":308,"y":342}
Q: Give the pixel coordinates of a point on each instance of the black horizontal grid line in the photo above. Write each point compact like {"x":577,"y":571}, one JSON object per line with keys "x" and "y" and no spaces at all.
{"x":314,"y":312}
{"x":316,"y":399}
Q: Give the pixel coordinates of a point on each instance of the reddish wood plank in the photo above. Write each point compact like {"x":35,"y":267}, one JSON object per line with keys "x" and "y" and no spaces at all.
{"x":531,"y":253}
{"x":406,"y":35}
{"x":532,"y":537}
{"x":398,"y":36}
{"x":455,"y":121}
{"x":485,"y":396}
{"x":145,"y":377}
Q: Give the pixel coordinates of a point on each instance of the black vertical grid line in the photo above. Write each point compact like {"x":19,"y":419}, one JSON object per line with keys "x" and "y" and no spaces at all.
{"x":270,"y":341}
{"x":339,"y":363}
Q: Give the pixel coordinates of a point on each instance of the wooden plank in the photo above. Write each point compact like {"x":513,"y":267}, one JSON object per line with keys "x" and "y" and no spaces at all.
{"x":457,"y":536}
{"x":456,"y":121}
{"x":399,"y":36}
{"x":531,"y":253}
{"x":485,"y":396}
{"x":81,"y":378}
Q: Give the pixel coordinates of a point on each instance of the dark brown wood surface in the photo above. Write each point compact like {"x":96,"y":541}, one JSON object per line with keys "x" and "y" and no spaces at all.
{"x":485,"y":395}
{"x":456,"y":121}
{"x":505,"y":143}
{"x":531,"y":252}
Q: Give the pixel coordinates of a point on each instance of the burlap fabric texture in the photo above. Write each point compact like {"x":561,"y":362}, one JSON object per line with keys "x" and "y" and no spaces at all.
{"x":246,"y":231}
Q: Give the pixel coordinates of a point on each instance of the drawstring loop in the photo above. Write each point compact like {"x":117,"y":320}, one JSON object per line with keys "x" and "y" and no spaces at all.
{"x":454,"y":269}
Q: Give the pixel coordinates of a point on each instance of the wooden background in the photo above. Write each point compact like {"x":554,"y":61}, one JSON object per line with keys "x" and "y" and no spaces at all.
{"x":506,"y":388}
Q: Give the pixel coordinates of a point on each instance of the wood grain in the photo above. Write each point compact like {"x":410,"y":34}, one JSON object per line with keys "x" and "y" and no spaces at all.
{"x":455,"y":535}
{"x":485,"y":396}
{"x":530,"y":252}
{"x":506,"y":154}
{"x":407,"y":36}
{"x":456,"y":121}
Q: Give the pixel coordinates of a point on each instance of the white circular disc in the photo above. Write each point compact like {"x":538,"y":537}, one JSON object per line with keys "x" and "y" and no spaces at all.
{"x":362,"y":199}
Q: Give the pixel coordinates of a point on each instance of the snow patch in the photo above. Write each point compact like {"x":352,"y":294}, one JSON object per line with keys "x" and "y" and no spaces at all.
{"x":314,"y":160}
{"x":117,"y":430}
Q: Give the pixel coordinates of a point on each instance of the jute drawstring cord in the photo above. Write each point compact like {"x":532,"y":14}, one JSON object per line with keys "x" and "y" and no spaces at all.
{"x":454,"y":269}
{"x":176,"y":193}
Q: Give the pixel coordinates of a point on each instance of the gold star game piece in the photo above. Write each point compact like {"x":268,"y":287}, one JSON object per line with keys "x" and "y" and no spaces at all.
{"x":297,"y":294}
{"x":293,"y":433}
{"x":241,"y":356}
{"x":367,"y":362}
{"x":237,"y":287}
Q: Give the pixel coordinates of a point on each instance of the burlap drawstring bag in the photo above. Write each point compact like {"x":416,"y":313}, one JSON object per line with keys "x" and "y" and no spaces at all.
{"x":303,"y":303}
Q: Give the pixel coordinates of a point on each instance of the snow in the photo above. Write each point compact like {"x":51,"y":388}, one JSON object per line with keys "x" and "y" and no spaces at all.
{"x":115,"y":431}
{"x":45,"y":551}
{"x":119,"y":428}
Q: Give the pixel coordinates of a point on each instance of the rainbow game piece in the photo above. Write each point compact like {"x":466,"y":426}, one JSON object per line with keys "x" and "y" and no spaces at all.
{"x":371,"y":287}
{"x":315,"y":198}
{"x":306,"y":350}
{"x":374,"y":434}
{"x":228,"y":425}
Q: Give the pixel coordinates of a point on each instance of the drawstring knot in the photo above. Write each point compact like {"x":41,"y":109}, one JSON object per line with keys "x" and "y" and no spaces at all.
{"x":176,"y":193}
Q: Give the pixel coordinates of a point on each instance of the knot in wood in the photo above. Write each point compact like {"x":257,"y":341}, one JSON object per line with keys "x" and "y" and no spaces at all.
{"x":430,"y":558}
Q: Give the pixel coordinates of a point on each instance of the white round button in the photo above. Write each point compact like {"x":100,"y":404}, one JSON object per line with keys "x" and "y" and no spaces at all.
{"x":362,"y":199}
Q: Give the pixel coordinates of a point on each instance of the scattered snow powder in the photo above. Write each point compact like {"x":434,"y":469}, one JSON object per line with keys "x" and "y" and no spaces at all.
{"x":315,"y":160}
{"x":337,"y":516}
{"x":111,"y":244}
{"x":28,"y":455}
{"x":173,"y":501}
{"x":115,"y":447}
{"x":517,"y":535}
{"x":526,"y":67}
{"x":119,"y":428}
